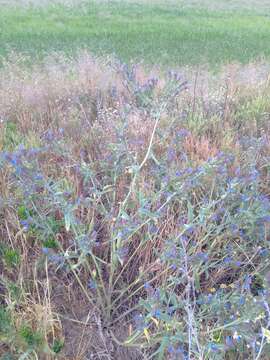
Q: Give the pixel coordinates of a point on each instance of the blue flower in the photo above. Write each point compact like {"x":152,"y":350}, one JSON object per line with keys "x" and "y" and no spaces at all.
{"x":45,"y":250}
{"x":157,"y":293}
{"x":234,"y":228}
{"x":264,"y":252}
{"x":264,"y":219}
{"x":14,"y":160}
{"x":171,"y":154}
{"x":200,"y":301}
{"x":171,"y":310}
{"x":173,"y":267}
{"x":189,"y":170}
{"x":229,"y":341}
{"x":38,"y":177}
{"x":227,"y":260}
{"x":147,"y":286}
{"x":122,"y":253}
{"x":49,"y":135}
{"x":179,"y":173}
{"x":182,"y":133}
{"x":153,"y":229}
{"x":25,"y":225}
{"x":237,"y":263}
{"x":203,"y":256}
{"x":247,"y":282}
{"x":56,"y":259}
{"x":213,"y":347}
{"x":139,"y":321}
{"x":215,"y":217}
{"x":180,"y":350}
{"x":157,"y":313}
{"x":184,"y":239}
{"x":92,"y":285}
{"x":171,"y":349}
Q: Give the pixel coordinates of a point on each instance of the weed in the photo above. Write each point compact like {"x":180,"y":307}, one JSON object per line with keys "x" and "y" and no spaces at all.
{"x":137,"y":223}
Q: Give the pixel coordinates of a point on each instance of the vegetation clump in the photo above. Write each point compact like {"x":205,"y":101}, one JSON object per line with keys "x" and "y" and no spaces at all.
{"x":134,"y":214}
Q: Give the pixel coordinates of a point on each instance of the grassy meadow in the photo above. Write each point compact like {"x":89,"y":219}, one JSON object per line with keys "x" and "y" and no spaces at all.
{"x":134,"y":180}
{"x":160,"y":33}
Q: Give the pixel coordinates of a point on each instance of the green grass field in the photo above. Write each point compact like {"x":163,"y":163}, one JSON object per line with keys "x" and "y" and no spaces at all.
{"x":158,"y":33}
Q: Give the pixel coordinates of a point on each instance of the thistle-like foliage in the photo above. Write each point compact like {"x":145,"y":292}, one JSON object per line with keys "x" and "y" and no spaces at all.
{"x":131,"y":206}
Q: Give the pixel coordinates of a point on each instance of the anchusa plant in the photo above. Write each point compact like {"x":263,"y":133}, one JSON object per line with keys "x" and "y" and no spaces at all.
{"x":166,"y":242}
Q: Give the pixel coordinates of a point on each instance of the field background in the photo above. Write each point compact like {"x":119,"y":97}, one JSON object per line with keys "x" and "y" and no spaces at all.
{"x":162,"y":33}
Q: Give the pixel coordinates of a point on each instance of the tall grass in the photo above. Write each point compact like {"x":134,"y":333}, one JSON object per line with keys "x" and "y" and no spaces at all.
{"x":134,"y":213}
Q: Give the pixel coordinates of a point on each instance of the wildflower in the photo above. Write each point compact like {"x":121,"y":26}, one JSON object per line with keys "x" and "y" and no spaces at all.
{"x":92,"y":284}
{"x":215,"y":217}
{"x":236,"y":336}
{"x":147,"y":286}
{"x":209,"y":298}
{"x":221,"y":170}
{"x":228,"y":305}
{"x":171,"y":349}
{"x":247,"y":282}
{"x":139,"y":321}
{"x":245,"y":198}
{"x":171,"y":310}
{"x":189,"y":171}
{"x":182,"y":133}
{"x":171,"y":156}
{"x":237,"y":263}
{"x":56,"y":259}
{"x":25,"y":225}
{"x":184,"y":239}
{"x":45,"y":250}
{"x":264,"y":219}
{"x":202,"y":256}
{"x":157,"y":313}
{"x":49,"y":136}
{"x":122,"y":253}
{"x":171,"y":253}
{"x":157,"y":294}
{"x":14,"y":160}
{"x":38,"y":177}
{"x":237,"y":171}
{"x":234,"y":229}
{"x":200,"y":301}
{"x":227,"y":260}
{"x":229,"y":341}
{"x":179,"y":173}
{"x":242,"y":301}
{"x":153,"y":229}
{"x":190,"y":229}
{"x":180,"y":350}
{"x":213,"y":347}
{"x":173,"y":267}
